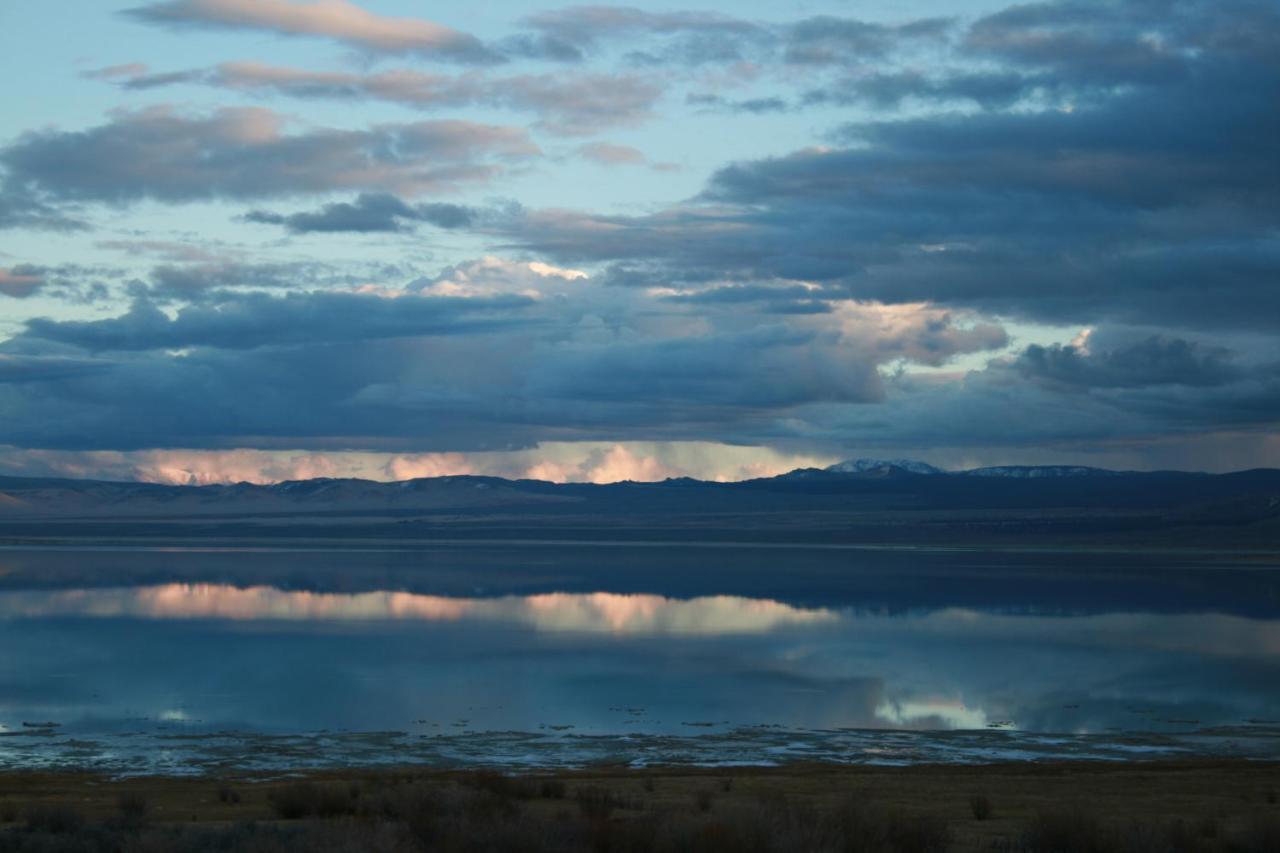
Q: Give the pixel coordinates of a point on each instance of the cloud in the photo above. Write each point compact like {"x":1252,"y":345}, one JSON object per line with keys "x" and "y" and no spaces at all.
{"x":596,"y":613}
{"x":719,"y":103}
{"x":121,"y":71}
{"x":608,"y":154}
{"x":566,"y":104}
{"x":611,"y":154}
{"x":549,"y":354}
{"x":23,"y":368}
{"x":169,"y":250}
{"x":492,"y":276}
{"x":919,"y":333}
{"x":774,"y":298}
{"x":1094,"y":43}
{"x":581,"y":104}
{"x":914,"y":280}
{"x":578,"y":462}
{"x":369,"y":213}
{"x":770,"y":367}
{"x":698,"y":38}
{"x":828,"y":40}
{"x":67,"y":282}
{"x":20,"y":208}
{"x":1156,"y":360}
{"x":1115,"y":410}
{"x":20,"y":281}
{"x":586,"y":26}
{"x":1150,"y":203}
{"x":191,"y":281}
{"x":245,"y":153}
{"x":195,"y":269}
{"x":987,"y":89}
{"x":249,"y":320}
{"x":338,"y":20}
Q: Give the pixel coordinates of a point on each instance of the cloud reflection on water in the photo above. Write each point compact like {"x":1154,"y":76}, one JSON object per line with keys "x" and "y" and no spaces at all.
{"x":209,"y":656}
{"x":597,"y":612}
{"x":623,"y":614}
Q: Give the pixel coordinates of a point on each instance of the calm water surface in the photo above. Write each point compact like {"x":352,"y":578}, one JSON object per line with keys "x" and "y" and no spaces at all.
{"x":515,"y":655}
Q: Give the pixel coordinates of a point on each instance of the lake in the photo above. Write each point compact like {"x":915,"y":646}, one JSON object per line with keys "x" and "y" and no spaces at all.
{"x":562,"y":654}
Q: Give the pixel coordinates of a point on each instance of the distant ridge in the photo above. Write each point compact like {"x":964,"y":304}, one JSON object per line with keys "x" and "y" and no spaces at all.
{"x":884,"y":467}
{"x":1010,"y":485}
{"x":873,"y":503}
{"x":1029,"y":472}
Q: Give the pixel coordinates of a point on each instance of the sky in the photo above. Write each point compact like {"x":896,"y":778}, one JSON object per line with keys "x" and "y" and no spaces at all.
{"x":275,"y":239}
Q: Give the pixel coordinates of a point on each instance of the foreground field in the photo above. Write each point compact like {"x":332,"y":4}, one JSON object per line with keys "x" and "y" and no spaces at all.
{"x":1062,"y":807}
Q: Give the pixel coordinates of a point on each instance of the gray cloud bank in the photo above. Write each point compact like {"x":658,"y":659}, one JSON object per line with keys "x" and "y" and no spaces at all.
{"x":488,"y":354}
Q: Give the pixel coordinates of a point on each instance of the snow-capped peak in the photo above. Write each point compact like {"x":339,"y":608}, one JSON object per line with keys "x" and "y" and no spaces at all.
{"x":861,"y":466}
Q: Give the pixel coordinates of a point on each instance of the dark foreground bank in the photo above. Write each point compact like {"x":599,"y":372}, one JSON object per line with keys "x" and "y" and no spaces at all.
{"x":1059,"y":807}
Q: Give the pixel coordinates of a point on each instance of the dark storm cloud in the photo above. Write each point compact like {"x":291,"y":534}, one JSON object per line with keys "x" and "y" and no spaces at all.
{"x":1096,"y":43}
{"x":488,"y":354}
{"x":245,"y":153}
{"x":354,"y":393}
{"x":35,"y":368}
{"x":1154,"y":203}
{"x":708,"y":372}
{"x":1156,"y":360}
{"x":369,"y":213}
{"x":249,"y":320}
{"x":339,"y":20}
{"x":998,"y":408}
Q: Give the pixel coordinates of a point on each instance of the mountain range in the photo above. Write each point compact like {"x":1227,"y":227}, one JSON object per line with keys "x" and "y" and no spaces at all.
{"x":859,"y":501}
{"x":891,"y":481}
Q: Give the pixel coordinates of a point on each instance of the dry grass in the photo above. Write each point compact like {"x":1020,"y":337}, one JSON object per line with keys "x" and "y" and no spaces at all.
{"x":1195,"y":807}
{"x":980,"y":806}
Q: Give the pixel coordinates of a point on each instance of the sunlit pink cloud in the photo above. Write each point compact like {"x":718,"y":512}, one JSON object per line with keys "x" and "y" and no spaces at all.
{"x":18,"y":283}
{"x":558,"y":462}
{"x":335,"y":19}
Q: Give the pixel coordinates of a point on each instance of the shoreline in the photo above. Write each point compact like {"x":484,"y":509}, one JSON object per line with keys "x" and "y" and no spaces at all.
{"x":357,"y":545}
